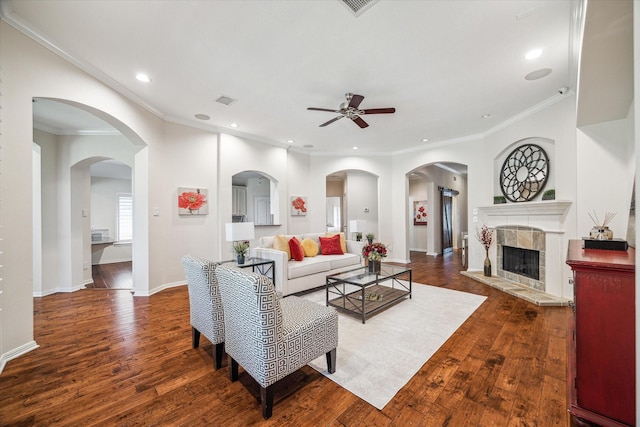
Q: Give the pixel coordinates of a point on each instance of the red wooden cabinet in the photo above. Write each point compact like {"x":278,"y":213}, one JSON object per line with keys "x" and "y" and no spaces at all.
{"x":601,"y":356}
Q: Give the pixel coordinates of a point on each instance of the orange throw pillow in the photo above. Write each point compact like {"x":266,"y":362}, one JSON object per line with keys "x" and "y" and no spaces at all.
{"x":281,"y":243}
{"x":331,"y":245}
{"x":297,"y":252}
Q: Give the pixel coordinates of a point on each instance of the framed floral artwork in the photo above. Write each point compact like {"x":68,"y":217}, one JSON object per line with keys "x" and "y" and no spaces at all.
{"x":420,"y":212}
{"x":298,"y":206}
{"x":193,"y":201}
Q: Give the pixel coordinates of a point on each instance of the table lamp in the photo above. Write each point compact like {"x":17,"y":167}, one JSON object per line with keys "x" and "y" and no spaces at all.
{"x":240,"y":232}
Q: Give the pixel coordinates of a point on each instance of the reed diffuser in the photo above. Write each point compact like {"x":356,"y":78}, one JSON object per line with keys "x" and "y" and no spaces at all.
{"x":600,"y":230}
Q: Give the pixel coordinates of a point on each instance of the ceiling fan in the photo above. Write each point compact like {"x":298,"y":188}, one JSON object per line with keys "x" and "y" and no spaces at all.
{"x":349,"y":109}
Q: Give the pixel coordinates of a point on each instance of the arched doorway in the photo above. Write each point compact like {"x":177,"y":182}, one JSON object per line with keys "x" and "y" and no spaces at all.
{"x":71,"y":138}
{"x":436,"y":222}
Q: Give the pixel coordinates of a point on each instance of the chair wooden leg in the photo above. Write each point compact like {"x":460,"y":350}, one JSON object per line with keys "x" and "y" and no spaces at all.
{"x":218,"y":354}
{"x":331,"y":361}
{"x":266,"y":397}
{"x":233,"y":369}
{"x":195,"y":337}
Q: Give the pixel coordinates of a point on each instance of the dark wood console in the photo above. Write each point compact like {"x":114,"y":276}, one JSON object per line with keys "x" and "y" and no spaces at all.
{"x":601,"y":350}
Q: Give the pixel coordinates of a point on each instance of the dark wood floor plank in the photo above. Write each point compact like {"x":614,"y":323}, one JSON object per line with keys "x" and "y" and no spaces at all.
{"x":108,"y":358}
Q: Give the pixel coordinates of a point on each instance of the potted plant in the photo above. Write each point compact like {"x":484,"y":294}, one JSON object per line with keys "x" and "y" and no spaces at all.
{"x":370,"y":237}
{"x":358,"y":236}
{"x":240,"y":249}
{"x":498,"y":200}
{"x":549,"y":195}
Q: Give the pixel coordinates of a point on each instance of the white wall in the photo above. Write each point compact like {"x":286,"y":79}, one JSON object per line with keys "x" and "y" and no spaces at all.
{"x":362,"y":200}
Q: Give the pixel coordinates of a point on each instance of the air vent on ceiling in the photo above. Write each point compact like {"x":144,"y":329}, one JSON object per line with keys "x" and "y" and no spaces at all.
{"x":358,"y":7}
{"x":225,"y":100}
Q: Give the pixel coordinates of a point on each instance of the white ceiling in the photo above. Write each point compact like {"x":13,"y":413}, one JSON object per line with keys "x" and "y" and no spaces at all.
{"x":441,"y":64}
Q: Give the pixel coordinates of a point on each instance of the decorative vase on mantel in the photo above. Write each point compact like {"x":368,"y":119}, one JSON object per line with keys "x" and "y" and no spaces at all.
{"x":487,"y":263}
{"x":374,"y":266}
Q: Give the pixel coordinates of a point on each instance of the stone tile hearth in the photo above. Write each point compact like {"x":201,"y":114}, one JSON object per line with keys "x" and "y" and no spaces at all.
{"x":526,"y":293}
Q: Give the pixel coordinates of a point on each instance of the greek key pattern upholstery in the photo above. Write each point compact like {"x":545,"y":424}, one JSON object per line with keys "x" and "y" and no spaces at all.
{"x":268,"y":336}
{"x":206,"y":314}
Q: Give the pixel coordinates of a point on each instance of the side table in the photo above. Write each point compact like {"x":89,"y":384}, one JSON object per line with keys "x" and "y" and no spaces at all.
{"x":266,"y":267}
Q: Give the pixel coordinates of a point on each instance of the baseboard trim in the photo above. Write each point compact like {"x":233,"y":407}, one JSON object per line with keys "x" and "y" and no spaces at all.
{"x":150,"y":292}
{"x":17,"y":352}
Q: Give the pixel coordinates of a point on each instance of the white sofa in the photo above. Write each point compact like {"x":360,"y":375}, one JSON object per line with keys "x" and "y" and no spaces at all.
{"x":293,"y":276}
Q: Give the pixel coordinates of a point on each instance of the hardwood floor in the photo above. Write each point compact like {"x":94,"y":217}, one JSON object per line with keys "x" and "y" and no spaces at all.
{"x":116,"y":275}
{"x":107,"y":358}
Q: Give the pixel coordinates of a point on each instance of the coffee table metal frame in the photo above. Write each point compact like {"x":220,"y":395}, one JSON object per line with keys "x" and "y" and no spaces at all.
{"x":351,"y":287}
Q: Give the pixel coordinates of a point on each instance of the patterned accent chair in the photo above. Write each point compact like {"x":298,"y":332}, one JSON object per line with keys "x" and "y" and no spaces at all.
{"x":205,"y":305}
{"x":272,"y":337}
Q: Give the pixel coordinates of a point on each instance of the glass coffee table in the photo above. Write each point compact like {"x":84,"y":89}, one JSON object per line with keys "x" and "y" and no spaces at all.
{"x":363,"y":293}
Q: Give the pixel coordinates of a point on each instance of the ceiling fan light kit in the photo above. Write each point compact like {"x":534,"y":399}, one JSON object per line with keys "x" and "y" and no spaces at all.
{"x":350,"y":109}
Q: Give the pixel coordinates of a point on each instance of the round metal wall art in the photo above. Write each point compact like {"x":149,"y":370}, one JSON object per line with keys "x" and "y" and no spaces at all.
{"x":524,"y":173}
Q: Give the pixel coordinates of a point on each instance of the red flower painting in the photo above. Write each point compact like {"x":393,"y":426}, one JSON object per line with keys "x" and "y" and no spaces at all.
{"x":192,"y":200}
{"x":420,"y":212}
{"x":298,"y":206}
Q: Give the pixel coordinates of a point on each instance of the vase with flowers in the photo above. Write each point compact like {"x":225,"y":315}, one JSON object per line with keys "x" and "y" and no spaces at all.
{"x":373,"y":253}
{"x":485,"y":237}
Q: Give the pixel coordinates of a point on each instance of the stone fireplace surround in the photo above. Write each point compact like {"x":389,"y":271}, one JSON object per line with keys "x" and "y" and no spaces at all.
{"x":532,"y":225}
{"x":523,"y":237}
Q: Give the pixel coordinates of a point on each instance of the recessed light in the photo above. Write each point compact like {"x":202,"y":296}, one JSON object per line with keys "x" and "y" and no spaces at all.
{"x":533,"y":54}
{"x":485,"y":116}
{"x":234,"y":125}
{"x":355,"y":148}
{"x":538,"y":74}
{"x":425,"y":139}
{"x":290,"y":141}
{"x":143,"y":78}
{"x":202,"y":117}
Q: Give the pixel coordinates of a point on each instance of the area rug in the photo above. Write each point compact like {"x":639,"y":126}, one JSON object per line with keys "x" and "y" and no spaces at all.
{"x":375,"y":360}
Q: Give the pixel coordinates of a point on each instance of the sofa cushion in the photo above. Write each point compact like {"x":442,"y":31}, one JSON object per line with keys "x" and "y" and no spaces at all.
{"x":308,"y":266}
{"x":310,"y":247}
{"x":297,"y":252}
{"x":340,"y":261}
{"x":281,"y":243}
{"x":331,"y":245}
{"x":266,"y":242}
{"x":343,"y":240}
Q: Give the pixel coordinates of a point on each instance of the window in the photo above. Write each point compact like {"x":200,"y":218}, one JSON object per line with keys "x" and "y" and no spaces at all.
{"x":124,"y":232}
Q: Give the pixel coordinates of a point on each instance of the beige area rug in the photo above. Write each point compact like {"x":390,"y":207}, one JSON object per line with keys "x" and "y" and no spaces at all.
{"x":375,"y":360}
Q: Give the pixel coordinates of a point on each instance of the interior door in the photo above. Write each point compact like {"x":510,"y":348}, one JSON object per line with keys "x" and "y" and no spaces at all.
{"x":447,"y":221}
{"x":262,"y":210}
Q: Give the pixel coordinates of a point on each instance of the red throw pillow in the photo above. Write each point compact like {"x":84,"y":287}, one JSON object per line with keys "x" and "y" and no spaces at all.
{"x":331,"y":245}
{"x":297,"y":252}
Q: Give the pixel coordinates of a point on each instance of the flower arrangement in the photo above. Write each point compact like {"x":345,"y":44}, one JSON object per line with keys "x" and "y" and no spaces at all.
{"x":374,"y":251}
{"x":485,"y":236}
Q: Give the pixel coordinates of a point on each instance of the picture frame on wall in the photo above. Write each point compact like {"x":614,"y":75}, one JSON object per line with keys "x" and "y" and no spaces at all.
{"x":420,"y":212}
{"x":298,"y":206}
{"x":193,"y":201}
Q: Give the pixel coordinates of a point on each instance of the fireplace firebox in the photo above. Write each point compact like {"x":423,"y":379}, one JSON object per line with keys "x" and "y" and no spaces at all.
{"x":521,"y":261}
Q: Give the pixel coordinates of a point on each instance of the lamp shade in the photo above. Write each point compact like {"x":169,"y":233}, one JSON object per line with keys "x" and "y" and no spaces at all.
{"x":239,"y":231}
{"x":356,"y":225}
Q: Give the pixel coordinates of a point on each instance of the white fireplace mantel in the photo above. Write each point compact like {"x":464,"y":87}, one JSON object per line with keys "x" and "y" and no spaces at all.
{"x":548,"y":216}
{"x":548,"y":207}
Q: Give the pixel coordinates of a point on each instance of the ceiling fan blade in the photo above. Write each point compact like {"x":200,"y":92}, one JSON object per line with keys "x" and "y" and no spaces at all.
{"x":355,"y":100}
{"x":323,"y":109}
{"x":358,"y":120}
{"x":379,"y":111}
{"x":331,"y":121}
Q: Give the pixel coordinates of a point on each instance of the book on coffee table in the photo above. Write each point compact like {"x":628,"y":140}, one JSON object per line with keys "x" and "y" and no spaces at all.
{"x":372,"y":297}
